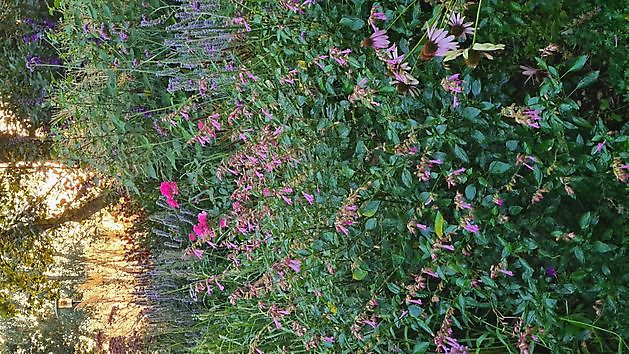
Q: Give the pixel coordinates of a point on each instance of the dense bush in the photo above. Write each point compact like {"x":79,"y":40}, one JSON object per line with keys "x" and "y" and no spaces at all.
{"x":347,"y":180}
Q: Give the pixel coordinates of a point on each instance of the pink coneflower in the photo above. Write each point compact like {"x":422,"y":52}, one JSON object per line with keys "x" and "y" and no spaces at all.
{"x":458,"y":27}
{"x":532,"y":73}
{"x":438,"y":44}
{"x":378,"y":40}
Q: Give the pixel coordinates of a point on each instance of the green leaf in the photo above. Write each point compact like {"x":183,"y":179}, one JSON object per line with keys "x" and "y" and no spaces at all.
{"x":470,"y":112}
{"x":369,"y":208}
{"x":421,"y":347}
{"x":439,"y":224}
{"x":359,"y":274}
{"x":588,"y":80}
{"x":150,"y":171}
{"x":584,"y":222}
{"x":394,"y":288}
{"x":470,"y":191}
{"x":602,"y":247}
{"x":461,"y":154}
{"x":498,"y":167}
{"x":407,"y":178}
{"x":485,"y":47}
{"x":371,"y":224}
{"x":414,"y":311}
{"x":579,"y":254}
{"x":352,"y":23}
{"x":578,"y":64}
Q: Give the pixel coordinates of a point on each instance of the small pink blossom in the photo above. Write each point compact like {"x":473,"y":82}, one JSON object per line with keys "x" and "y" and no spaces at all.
{"x":309,"y":197}
{"x":471,"y":227}
{"x":599,"y":146}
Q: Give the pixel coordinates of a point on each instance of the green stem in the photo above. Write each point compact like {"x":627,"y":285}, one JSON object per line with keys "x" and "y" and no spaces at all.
{"x":480,"y":4}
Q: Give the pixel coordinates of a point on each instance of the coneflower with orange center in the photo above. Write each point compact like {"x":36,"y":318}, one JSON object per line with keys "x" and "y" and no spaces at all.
{"x":438,"y":44}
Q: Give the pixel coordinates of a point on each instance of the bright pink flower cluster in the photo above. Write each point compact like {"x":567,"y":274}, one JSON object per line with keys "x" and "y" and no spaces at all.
{"x":169,"y":191}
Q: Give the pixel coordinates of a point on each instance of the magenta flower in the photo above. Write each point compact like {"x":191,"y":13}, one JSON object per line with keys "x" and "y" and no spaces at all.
{"x":378,"y":40}
{"x":438,"y":44}
{"x":458,"y":27}
{"x":169,"y":191}
{"x":551,"y":272}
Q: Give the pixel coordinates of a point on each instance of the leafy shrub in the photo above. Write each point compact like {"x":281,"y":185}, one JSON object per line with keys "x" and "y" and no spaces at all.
{"x":357,"y":197}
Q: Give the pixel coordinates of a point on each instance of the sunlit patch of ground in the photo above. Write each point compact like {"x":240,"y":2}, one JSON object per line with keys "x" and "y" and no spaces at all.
{"x":100,"y":265}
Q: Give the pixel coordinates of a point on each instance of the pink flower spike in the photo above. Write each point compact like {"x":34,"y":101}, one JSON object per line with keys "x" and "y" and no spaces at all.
{"x":294,"y":265}
{"x":447,"y":247}
{"x":506,"y":272}
{"x":309,"y":197}
{"x":599,"y":146}
{"x":471,"y":228}
{"x":370,"y":323}
{"x":197,"y":253}
{"x":222,"y":223}
{"x":422,"y":227}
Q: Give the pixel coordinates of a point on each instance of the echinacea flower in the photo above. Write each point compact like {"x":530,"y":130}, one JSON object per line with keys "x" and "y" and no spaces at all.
{"x":438,"y":44}
{"x":378,"y":40}
{"x":531,"y":73}
{"x":458,"y":27}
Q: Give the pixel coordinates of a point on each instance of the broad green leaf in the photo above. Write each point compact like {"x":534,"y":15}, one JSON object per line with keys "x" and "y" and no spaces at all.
{"x":369,"y":208}
{"x":588,"y":80}
{"x":359,"y":274}
{"x":470,"y":112}
{"x":461,"y":154}
{"x":414,"y":311}
{"x":370,"y":224}
{"x":421,"y":347}
{"x":602,"y":247}
{"x":352,"y":23}
{"x":439,"y":224}
{"x":470,"y":191}
{"x":578,"y":64}
{"x":498,"y":167}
